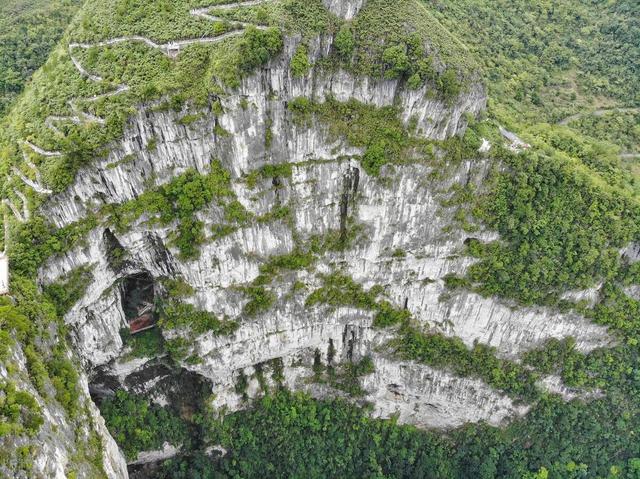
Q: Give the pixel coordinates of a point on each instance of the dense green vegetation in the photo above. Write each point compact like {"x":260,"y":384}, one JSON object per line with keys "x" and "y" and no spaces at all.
{"x":36,"y":240}
{"x":287,"y":435}
{"x":343,"y":441}
{"x":19,"y":411}
{"x":139,"y":426}
{"x":619,"y":128}
{"x":546,"y":60}
{"x":177,"y":315}
{"x":29,"y":29}
{"x":23,"y":324}
{"x":561,"y":222}
{"x":564,"y":208}
{"x":64,"y":378}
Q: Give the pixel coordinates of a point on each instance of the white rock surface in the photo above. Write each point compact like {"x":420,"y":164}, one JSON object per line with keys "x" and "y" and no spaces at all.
{"x":426,"y":397}
{"x":346,"y":9}
{"x":243,"y":149}
{"x":554,"y":384}
{"x":401,"y":212}
{"x":167,"y":452}
{"x":589,"y":296}
{"x":631,"y":253}
{"x":55,"y":447}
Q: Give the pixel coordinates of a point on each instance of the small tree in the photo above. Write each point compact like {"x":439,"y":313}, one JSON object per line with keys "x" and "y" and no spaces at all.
{"x":345,"y":41}
{"x":396,"y":61}
{"x":449,"y":84}
{"x":318,"y":367}
{"x":300,"y":64}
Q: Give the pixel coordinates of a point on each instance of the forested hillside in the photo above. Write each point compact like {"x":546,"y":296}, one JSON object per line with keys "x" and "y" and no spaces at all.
{"x":548,"y":60}
{"x":29,"y":29}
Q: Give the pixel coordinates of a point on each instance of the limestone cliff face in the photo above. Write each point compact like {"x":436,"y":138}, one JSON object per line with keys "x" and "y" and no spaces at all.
{"x":242,"y":148}
{"x":55,"y":451}
{"x":345,"y":9}
{"x":328,"y":189}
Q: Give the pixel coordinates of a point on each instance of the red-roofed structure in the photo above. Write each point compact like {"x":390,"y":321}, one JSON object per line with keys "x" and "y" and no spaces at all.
{"x":142,"y":323}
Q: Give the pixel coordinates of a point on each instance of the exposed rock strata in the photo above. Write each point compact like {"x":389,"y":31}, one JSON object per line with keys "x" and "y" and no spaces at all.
{"x":242,"y":149}
{"x":328,"y":192}
{"x":346,"y":9}
{"x":54,"y":451}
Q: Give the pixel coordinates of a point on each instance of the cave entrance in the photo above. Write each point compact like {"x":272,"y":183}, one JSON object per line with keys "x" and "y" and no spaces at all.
{"x":138,"y":298}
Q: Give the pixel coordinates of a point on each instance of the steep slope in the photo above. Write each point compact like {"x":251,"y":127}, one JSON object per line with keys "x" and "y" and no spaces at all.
{"x":30,"y":29}
{"x":307,"y":196}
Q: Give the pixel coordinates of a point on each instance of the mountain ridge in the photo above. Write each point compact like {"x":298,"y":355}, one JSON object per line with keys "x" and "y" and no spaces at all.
{"x":325,"y":206}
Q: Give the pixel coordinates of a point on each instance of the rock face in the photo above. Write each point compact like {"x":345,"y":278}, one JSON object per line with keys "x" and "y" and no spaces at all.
{"x":54,"y":452}
{"x":346,"y":9}
{"x":241,"y":146}
{"x":405,"y":241}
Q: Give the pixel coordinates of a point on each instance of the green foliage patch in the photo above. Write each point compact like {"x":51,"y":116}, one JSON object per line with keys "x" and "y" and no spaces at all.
{"x":64,"y":377}
{"x":139,"y":426}
{"x":545,"y":61}
{"x":29,"y":29}
{"x":176,"y":315}
{"x":480,"y":361}
{"x":262,"y":299}
{"x":64,"y":294}
{"x":334,"y":438}
{"x":300,"y":64}
{"x":19,"y":411}
{"x":340,"y":436}
{"x":341,"y":290}
{"x":617,"y":128}
{"x":561,"y":227}
{"x":402,"y":39}
{"x":146,"y":344}
{"x":378,"y":130}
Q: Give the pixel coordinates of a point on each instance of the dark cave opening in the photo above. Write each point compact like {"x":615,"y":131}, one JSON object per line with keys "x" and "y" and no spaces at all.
{"x":162,"y":383}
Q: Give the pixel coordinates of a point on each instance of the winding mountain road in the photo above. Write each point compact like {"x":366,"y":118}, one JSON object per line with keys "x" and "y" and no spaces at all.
{"x":79,"y":117}
{"x":599,"y":112}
